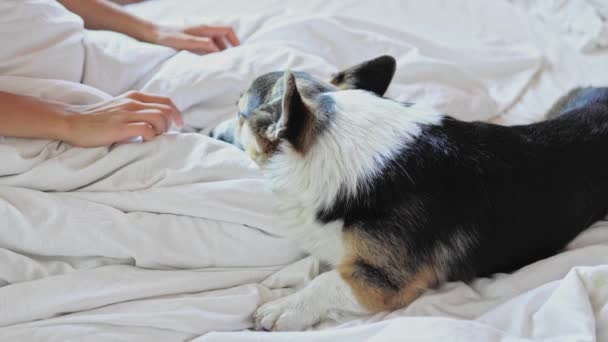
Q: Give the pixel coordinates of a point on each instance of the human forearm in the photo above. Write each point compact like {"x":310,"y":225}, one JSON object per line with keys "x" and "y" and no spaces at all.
{"x":130,"y":115}
{"x":28,"y":117}
{"x":105,"y":15}
{"x":127,"y":2}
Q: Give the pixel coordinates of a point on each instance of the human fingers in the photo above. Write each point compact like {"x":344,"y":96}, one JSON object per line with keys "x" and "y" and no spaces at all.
{"x":137,"y":129}
{"x":175,"y":113}
{"x":220,"y":42}
{"x":152,"y":117}
{"x":225,"y":31}
{"x":231,"y":36}
{"x":192,"y":43}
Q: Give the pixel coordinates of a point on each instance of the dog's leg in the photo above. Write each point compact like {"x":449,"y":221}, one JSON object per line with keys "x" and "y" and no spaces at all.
{"x":378,"y":290}
{"x":383,"y":277}
{"x":327,"y":296}
{"x":351,"y":291}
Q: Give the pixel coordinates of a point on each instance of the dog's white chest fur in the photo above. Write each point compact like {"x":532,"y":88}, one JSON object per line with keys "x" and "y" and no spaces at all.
{"x":323,"y":241}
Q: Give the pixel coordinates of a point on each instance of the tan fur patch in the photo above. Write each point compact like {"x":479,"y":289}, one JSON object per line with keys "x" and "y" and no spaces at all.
{"x":407,"y":282}
{"x":424,"y":279}
{"x":267,"y":146}
{"x":372,"y":298}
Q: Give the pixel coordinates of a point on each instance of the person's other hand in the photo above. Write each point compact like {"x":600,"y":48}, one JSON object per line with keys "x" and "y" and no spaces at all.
{"x":131,"y":115}
{"x":198,"y":39}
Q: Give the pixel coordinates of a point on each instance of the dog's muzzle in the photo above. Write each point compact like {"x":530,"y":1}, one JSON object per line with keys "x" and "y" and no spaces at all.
{"x":226,"y":131}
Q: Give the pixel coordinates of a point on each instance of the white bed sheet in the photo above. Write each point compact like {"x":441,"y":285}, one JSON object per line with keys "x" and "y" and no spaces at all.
{"x":464,"y":23}
{"x":176,"y":238}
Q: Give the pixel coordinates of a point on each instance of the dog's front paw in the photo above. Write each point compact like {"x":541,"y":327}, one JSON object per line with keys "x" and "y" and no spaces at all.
{"x":287,"y":314}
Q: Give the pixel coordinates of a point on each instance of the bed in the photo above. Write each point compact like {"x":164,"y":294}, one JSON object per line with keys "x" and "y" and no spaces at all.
{"x":176,"y":239}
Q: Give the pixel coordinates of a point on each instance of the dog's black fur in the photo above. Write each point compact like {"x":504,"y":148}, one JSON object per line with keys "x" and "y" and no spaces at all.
{"x":521,"y":193}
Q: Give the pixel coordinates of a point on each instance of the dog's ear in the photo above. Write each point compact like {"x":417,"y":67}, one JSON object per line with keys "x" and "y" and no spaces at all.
{"x":374,"y":75}
{"x":296,"y":121}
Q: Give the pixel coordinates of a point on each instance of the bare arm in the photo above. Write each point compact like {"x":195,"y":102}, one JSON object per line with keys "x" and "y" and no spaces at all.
{"x":28,"y":117}
{"x":106,"y":15}
{"x":132,"y":115}
{"x":126,"y":2}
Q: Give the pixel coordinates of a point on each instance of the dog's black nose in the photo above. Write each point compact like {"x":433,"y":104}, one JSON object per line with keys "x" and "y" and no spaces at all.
{"x":211,"y":133}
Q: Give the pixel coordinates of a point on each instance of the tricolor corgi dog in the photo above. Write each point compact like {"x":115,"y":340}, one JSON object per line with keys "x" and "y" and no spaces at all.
{"x":398,"y":199}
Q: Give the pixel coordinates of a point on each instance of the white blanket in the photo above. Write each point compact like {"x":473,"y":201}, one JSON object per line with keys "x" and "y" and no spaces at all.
{"x":177,"y":237}
{"x":584,"y":23}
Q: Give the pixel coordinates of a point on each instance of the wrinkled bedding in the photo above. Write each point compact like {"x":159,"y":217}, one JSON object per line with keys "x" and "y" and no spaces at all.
{"x":177,"y":238}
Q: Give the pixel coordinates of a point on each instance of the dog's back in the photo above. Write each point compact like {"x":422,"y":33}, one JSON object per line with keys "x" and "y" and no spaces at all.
{"x":559,"y":179}
{"x":579,"y":97}
{"x":553,"y":184}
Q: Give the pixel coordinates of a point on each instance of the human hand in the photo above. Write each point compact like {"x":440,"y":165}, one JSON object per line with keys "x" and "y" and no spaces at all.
{"x":103,"y":15}
{"x":128,"y":116}
{"x":198,"y":39}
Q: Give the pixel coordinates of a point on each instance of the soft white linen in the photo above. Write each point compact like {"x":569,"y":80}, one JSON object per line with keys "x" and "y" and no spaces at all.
{"x":572,"y":309}
{"x":175,"y":238}
{"x":41,"y":39}
{"x":583,"y":22}
{"x":471,"y":82}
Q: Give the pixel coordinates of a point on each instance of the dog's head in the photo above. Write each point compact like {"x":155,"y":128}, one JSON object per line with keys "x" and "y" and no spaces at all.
{"x":290,"y":107}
